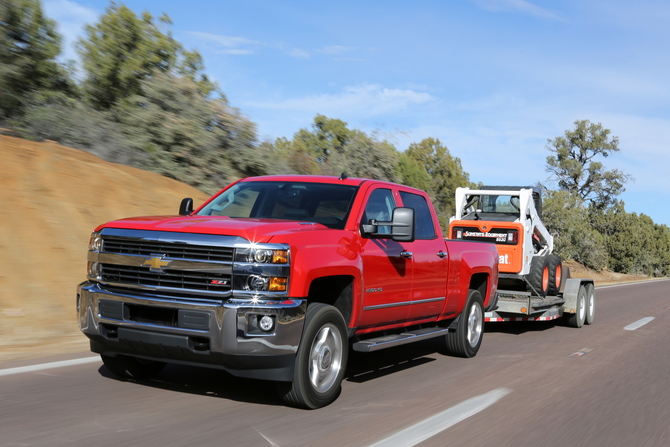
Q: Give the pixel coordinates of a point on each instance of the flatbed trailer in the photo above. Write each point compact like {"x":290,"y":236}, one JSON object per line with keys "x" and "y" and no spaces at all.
{"x":575,"y":303}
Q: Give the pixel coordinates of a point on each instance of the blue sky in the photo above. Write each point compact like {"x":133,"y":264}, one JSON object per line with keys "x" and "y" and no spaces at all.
{"x":492,"y":79}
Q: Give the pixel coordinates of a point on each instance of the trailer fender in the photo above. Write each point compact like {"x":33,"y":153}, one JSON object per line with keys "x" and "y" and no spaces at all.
{"x":570,"y":293}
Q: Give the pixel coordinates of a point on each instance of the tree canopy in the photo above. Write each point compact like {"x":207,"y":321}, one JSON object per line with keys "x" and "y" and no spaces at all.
{"x":575,"y":167}
{"x":29,"y":45}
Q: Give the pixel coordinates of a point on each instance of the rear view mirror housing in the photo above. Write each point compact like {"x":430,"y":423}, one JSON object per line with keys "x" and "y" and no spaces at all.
{"x":402,"y":226}
{"x":186,"y":207}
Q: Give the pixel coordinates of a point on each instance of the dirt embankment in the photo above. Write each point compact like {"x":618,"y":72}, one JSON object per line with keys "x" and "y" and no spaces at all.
{"x":52,"y":197}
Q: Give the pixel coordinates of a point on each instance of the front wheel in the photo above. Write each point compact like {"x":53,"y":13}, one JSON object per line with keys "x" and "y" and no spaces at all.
{"x":467,"y":338}
{"x":321,"y":359}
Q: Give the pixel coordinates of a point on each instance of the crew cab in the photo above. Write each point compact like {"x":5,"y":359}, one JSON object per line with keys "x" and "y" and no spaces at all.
{"x":278,"y":277}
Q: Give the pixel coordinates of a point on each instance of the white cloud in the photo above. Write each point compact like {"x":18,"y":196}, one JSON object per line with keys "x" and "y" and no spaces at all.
{"x":518,"y":5}
{"x":242,"y":46}
{"x":229,"y":44}
{"x":363,"y":100}
{"x":336,"y":49}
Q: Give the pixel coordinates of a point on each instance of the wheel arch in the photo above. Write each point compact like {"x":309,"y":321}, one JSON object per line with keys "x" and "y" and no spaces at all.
{"x":335,"y":290}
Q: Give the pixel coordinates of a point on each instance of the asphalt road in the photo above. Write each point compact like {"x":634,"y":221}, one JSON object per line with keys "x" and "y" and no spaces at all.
{"x":531,"y":384}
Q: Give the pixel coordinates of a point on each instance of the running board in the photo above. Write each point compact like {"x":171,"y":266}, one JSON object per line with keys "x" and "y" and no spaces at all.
{"x":389,"y":341}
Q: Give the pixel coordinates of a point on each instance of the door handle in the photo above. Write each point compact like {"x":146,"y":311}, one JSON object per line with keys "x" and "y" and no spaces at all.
{"x":406,"y":254}
{"x":441,"y":254}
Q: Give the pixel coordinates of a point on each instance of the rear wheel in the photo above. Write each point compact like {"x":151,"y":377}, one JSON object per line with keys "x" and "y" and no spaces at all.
{"x":131,"y":367}
{"x":577,"y":319}
{"x":555,"y":266}
{"x":320,"y":361}
{"x":590,"y":304}
{"x":538,"y":277}
{"x":467,"y":338}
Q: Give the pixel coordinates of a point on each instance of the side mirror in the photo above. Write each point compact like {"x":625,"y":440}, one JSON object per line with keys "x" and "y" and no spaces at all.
{"x":402,"y":226}
{"x":186,"y":207}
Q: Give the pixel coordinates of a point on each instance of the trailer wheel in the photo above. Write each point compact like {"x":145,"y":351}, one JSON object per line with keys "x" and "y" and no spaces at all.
{"x":577,"y":319}
{"x":467,"y":338}
{"x":590,"y":304}
{"x":321,"y":359}
{"x":555,"y":266}
{"x":131,"y":367}
{"x":538,"y":277}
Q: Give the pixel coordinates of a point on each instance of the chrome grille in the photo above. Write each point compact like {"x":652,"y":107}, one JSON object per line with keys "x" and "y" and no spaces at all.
{"x":173,"y":279}
{"x":169,"y":249}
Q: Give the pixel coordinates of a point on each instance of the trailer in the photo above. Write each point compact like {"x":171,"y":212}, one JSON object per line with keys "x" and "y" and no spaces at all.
{"x":533,"y":284}
{"x":575,"y":303}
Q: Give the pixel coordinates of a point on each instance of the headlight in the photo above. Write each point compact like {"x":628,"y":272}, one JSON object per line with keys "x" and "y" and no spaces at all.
{"x":95,"y":243}
{"x":261,"y":256}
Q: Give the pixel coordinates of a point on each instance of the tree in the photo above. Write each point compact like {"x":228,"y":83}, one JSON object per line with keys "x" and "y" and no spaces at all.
{"x":365,"y":156}
{"x":446,"y":172}
{"x":29,"y":45}
{"x":331,"y":148}
{"x":567,"y":220}
{"x":574,"y":166}
{"x":121,"y":51}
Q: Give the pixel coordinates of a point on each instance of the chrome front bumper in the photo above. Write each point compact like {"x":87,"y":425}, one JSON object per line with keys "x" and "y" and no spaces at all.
{"x":223,"y":334}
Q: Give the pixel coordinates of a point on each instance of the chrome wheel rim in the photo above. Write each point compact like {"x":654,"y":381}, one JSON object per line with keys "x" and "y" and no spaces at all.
{"x":582,"y":308}
{"x":475,"y":325}
{"x":325,"y":358}
{"x":592,"y":303}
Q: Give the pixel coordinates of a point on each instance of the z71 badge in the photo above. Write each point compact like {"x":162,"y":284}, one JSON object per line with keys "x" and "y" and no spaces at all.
{"x":375,"y":289}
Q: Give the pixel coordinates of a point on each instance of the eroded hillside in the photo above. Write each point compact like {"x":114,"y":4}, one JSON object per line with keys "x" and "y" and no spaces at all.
{"x":52,"y":197}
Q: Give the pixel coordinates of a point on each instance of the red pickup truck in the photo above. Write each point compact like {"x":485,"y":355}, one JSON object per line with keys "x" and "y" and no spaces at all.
{"x":277,"y":277}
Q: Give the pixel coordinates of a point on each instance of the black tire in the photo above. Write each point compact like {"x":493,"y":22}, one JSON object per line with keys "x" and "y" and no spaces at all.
{"x":131,"y":367}
{"x":590,"y":304}
{"x":467,"y":338}
{"x":577,"y":319}
{"x":538,"y":277}
{"x":555,"y":274}
{"x":321,"y":360}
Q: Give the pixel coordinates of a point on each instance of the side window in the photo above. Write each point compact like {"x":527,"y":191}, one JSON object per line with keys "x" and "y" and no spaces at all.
{"x":424,"y":220}
{"x":380,"y":207}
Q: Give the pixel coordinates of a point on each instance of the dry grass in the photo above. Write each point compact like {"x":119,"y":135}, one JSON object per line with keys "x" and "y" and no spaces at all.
{"x":52,"y":197}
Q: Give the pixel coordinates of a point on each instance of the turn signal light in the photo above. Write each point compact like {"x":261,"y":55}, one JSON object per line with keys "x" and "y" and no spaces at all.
{"x":277,"y":284}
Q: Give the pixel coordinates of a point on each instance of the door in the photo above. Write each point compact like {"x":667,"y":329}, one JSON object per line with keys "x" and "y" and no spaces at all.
{"x":387,"y":272}
{"x":429,"y":284}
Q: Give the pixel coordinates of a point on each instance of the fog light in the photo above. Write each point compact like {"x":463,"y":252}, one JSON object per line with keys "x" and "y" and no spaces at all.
{"x":266,"y":323}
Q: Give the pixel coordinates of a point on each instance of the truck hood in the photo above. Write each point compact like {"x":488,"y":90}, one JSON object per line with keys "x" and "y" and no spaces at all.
{"x":255,"y":230}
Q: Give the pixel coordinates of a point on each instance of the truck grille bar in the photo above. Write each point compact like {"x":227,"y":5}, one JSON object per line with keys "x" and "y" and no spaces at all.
{"x":174,"y":279}
{"x":169,"y":249}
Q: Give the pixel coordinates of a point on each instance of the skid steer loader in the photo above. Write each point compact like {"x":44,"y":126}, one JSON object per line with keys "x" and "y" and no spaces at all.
{"x":511,"y":217}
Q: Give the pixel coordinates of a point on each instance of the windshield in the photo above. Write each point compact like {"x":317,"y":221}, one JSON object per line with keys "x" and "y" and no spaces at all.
{"x":323,"y":203}
{"x":485,"y":204}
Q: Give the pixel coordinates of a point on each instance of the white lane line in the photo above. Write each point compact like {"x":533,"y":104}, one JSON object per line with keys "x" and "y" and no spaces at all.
{"x":433,"y":425}
{"x":638,"y":324}
{"x":42,"y":366}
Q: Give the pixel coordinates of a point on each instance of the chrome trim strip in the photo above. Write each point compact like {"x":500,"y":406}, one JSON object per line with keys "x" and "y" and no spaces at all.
{"x":160,"y":289}
{"x":176,"y":263}
{"x":175,"y":237}
{"x":403,"y":303}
